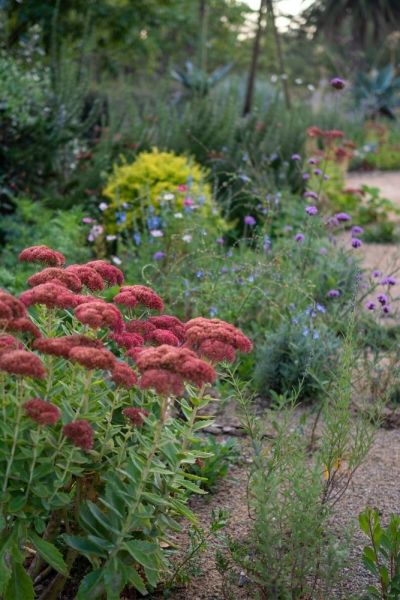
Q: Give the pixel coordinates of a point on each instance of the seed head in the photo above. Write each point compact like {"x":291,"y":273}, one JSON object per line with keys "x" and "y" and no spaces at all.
{"x":80,"y":433}
{"x":132,"y":295}
{"x":42,"y":254}
{"x":88,"y":277}
{"x":21,"y":362}
{"x":110,"y":273}
{"x":44,"y":413}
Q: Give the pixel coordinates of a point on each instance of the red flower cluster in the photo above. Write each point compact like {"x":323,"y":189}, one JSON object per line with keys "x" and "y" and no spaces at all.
{"x":166,"y":368}
{"x":127,"y":340}
{"x":331,"y":134}
{"x":24,"y":326}
{"x":92,"y":358}
{"x":52,"y":295}
{"x":21,"y":362}
{"x":8,"y":342}
{"x":216,"y":339}
{"x":42,"y":254}
{"x":170,"y":323}
{"x":80,"y":433}
{"x":14,"y":306}
{"x":135,"y":415}
{"x":132,"y":295}
{"x":56,"y":275}
{"x":62,"y":346}
{"x":122,"y":375}
{"x":163,"y":336}
{"x":111,"y":274}
{"x":44,"y":413}
{"x":88,"y":277}
{"x":99,"y":314}
{"x":141,"y":327}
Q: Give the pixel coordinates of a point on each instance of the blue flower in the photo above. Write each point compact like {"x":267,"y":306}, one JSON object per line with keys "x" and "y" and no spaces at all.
{"x":200,"y":274}
{"x":213,"y":311}
{"x":137,"y":238}
{"x":306,"y":331}
{"x":315,"y":335}
{"x":320,"y":308}
{"x":153,"y":223}
{"x":120,"y":217}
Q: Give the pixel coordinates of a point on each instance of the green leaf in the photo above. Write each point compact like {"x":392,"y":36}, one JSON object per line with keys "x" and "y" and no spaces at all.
{"x":17,"y":503}
{"x":91,"y":585}
{"x":20,"y":586}
{"x":134,"y":579}
{"x":143,"y":552}
{"x":85,"y":546}
{"x":49,"y":553}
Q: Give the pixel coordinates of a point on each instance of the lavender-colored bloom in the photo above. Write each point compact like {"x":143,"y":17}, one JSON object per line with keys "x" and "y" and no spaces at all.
{"x":338,"y":83}
{"x":159,"y":255}
{"x":356,"y":243}
{"x":386,"y":309}
{"x":266,"y":243}
{"x":224,"y":270}
{"x":249,"y":220}
{"x":306,"y":176}
{"x":317,"y":172}
{"x":382,"y":299}
{"x":376,"y":273}
{"x":320,"y":308}
{"x":220,"y":241}
{"x":200,"y":274}
{"x":311,"y":210}
{"x":103,"y":206}
{"x":357,"y":230}
{"x":306,"y":331}
{"x":370,"y":305}
{"x":296,"y":157}
{"x":315,"y":335}
{"x":137,"y":238}
{"x":312,"y":161}
{"x":299,"y":237}
{"x":323,"y":251}
{"x":326,"y":177}
{"x":343,"y":217}
{"x":87,"y":220}
{"x":312,"y":195}
{"x":389,"y":280}
{"x":333,"y":294}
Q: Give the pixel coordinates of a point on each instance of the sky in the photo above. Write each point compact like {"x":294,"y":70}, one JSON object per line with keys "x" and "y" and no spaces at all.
{"x":286,"y":7}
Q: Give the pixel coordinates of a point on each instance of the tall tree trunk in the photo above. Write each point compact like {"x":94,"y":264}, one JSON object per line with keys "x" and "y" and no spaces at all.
{"x":203,"y":26}
{"x":254,"y":60}
{"x":279,"y":51}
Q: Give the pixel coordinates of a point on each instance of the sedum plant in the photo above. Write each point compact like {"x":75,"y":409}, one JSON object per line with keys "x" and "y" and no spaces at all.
{"x":95,"y":461}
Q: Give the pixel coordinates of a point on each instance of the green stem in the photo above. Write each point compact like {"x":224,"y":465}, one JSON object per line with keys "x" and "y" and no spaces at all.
{"x":33,"y":464}
{"x":15,"y":436}
{"x":143,"y":480}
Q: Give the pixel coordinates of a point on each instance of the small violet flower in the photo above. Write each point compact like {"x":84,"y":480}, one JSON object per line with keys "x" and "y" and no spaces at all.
{"x":311,"y":210}
{"x":249,"y":220}
{"x":389,"y":280}
{"x":299,"y":237}
{"x":370,"y":305}
{"x":312,"y":195}
{"x":158,"y":255}
{"x":333,"y":294}
{"x":337,"y":83}
{"x":296,"y":157}
{"x":356,"y":230}
{"x":382,"y":299}
{"x":342,"y":217}
{"x":356,"y":243}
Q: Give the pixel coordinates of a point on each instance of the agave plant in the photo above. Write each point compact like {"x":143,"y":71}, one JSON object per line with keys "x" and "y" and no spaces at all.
{"x":197,"y":81}
{"x":378,"y":92}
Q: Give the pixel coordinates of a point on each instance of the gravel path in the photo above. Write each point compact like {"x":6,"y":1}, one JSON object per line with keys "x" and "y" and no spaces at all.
{"x":377,"y":482}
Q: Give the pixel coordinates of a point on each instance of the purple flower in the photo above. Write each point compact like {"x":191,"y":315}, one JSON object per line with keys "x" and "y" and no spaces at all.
{"x":306,"y":176}
{"x":299,"y":237}
{"x":386,"y":309}
{"x":332,"y":222}
{"x":317,"y":172}
{"x":158,"y":255}
{"x":249,"y":220}
{"x":312,"y":195}
{"x":376,"y":273}
{"x":326,"y":177}
{"x":220,"y":241}
{"x":333,"y":294}
{"x":343,"y":217}
{"x":312,"y":161}
{"x":356,"y":243}
{"x":357,"y":230}
{"x":389,"y":280}
{"x":311,"y":210}
{"x":296,"y":157}
{"x":87,"y":220}
{"x":382,"y":299}
{"x":338,"y":83}
{"x":370,"y":305}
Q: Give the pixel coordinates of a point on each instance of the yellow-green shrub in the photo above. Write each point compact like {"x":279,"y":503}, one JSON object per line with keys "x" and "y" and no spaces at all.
{"x":156,"y":183}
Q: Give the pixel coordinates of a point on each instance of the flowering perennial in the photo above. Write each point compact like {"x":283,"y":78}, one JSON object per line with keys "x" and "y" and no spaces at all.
{"x":216,"y":339}
{"x":60,"y":276}
{"x":92,"y":358}
{"x":132,"y":295}
{"x":44,"y":413}
{"x":42,"y":254}
{"x":88,"y":277}
{"x":100,"y":314}
{"x":22,"y":362}
{"x":80,"y":433}
{"x":135,"y":415}
{"x":110,"y":274}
